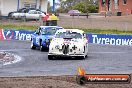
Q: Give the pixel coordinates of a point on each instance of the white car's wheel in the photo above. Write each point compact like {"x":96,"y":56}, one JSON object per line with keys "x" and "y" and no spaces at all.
{"x":50,"y":57}
{"x":32,"y":45}
{"x":82,"y":57}
{"x":13,"y":18}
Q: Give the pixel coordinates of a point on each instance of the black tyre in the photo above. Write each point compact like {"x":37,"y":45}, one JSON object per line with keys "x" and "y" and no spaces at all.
{"x":81,"y":57}
{"x":41,"y":46}
{"x":32,"y":45}
{"x":50,"y":57}
{"x":10,"y":15}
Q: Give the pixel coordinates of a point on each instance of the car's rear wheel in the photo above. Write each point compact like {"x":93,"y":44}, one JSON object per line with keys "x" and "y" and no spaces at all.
{"x":32,"y":45}
{"x":10,"y":15}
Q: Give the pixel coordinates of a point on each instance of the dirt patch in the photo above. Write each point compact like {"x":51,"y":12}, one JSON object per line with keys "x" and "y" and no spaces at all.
{"x":93,"y":22}
{"x":96,"y":22}
{"x":51,"y":82}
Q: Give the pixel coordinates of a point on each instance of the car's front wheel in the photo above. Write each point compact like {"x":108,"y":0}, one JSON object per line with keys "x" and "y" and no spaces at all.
{"x":81,"y":57}
{"x":50,"y":57}
{"x":32,"y":45}
{"x":41,"y":46}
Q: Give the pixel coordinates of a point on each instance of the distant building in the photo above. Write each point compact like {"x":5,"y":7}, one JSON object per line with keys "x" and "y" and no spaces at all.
{"x":7,"y":6}
{"x":114,"y":6}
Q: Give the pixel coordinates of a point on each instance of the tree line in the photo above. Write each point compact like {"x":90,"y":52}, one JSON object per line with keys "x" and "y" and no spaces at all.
{"x":84,"y":6}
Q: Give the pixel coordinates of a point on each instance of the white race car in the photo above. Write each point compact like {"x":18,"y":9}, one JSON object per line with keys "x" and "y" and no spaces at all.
{"x":31,"y":14}
{"x":69,"y":43}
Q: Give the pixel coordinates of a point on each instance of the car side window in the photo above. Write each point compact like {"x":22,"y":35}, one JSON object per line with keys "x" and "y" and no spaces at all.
{"x":84,"y":35}
{"x":31,"y":12}
{"x":35,"y":12}
{"x":38,"y":31}
{"x":38,"y":12}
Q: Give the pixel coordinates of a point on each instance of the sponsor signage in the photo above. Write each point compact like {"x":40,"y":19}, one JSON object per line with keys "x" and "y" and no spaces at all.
{"x":1,"y":34}
{"x":112,"y":39}
{"x":103,"y":78}
{"x":18,"y":34}
{"x":83,"y":78}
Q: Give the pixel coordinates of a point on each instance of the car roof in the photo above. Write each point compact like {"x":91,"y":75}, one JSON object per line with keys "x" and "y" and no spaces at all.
{"x":73,"y":30}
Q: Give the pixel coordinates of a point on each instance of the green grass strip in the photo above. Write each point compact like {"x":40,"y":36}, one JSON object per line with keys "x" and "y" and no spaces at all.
{"x":18,"y":27}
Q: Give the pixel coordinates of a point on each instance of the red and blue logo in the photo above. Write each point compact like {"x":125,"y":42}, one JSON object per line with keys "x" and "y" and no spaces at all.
{"x":1,"y":34}
{"x":9,"y":34}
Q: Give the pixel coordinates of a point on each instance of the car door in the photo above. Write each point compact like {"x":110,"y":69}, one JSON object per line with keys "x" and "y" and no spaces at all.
{"x":30,"y":14}
{"x":36,"y":37}
{"x":35,"y":15}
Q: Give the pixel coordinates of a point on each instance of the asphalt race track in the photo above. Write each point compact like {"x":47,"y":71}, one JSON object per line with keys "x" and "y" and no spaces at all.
{"x":101,"y":59}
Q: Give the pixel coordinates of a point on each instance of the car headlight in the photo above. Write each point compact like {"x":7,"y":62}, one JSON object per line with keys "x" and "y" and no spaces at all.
{"x":57,"y":47}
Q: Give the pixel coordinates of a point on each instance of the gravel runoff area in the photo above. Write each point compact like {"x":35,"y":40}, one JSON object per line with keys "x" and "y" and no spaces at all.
{"x":52,"y":82}
{"x":122,"y":23}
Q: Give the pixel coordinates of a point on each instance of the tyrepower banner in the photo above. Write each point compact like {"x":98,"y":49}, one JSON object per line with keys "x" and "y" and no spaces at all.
{"x":1,"y":34}
{"x":18,"y":34}
{"x":112,"y":39}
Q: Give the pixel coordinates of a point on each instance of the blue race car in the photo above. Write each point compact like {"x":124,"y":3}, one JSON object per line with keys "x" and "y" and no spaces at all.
{"x":43,"y":36}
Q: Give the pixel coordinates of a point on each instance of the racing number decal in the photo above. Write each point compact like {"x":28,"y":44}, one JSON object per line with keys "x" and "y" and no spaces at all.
{"x":37,"y":40}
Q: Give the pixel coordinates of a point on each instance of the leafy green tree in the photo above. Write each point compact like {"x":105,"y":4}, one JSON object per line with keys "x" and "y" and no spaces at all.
{"x":80,"y":6}
{"x":49,"y":8}
{"x":84,"y":6}
{"x":90,"y":7}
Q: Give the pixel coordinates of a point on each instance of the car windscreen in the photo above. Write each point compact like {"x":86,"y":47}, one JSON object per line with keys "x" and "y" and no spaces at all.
{"x":68,"y":35}
{"x":50,"y":31}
